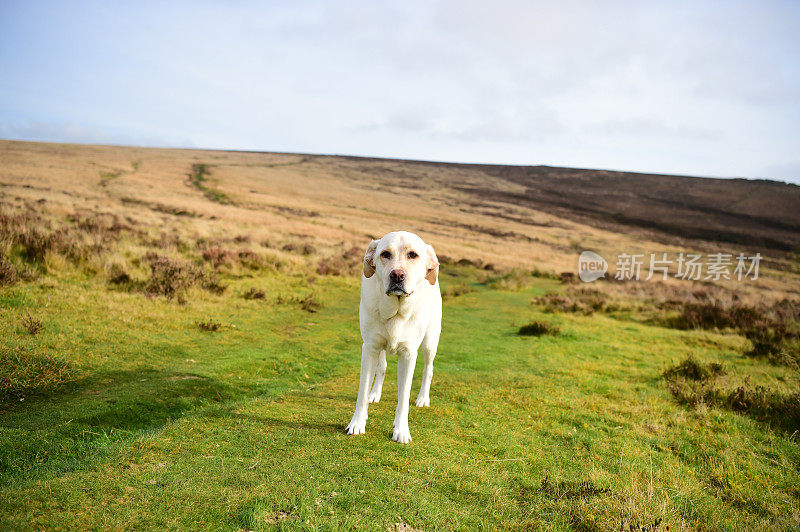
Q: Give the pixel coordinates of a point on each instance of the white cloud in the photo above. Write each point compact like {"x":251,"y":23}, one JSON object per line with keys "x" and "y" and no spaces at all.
{"x":685,"y":87}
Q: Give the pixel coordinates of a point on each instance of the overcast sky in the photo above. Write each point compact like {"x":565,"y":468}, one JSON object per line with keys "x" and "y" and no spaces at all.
{"x":700,"y":88}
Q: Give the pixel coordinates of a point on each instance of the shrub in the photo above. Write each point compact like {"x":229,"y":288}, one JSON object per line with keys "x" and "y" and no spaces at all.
{"x":249,"y":259}
{"x":716,"y":316}
{"x":33,"y":238}
{"x":694,"y":370}
{"x":775,"y":346}
{"x":692,"y":383}
{"x":118,"y":276}
{"x":538,"y":328}
{"x":303,"y":249}
{"x":36,"y":243}
{"x":170,"y":277}
{"x":763,"y":404}
{"x":218,"y":257}
{"x":8,"y":274}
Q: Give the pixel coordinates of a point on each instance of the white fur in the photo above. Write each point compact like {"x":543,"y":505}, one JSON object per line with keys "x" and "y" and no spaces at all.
{"x":397,"y":325}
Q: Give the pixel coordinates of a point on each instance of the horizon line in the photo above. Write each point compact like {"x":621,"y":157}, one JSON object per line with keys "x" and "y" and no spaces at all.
{"x":407,"y":160}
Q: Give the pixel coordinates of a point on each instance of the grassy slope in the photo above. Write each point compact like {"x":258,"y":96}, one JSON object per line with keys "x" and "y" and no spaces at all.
{"x":173,"y":427}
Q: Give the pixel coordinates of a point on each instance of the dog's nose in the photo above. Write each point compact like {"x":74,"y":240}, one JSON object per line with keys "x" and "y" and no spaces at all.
{"x":397,"y":276}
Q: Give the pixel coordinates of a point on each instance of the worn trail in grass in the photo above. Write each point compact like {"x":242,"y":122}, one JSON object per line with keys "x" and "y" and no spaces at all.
{"x":170,"y":426}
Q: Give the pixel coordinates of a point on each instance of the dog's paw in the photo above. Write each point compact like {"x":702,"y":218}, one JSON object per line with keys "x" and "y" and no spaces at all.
{"x":423,"y":400}
{"x":357,"y":426}
{"x":401,"y":435}
{"x":374,"y":396}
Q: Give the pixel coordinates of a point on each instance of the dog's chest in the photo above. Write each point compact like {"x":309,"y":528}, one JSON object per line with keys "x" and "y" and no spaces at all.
{"x":399,"y":324}
{"x":396,"y":332}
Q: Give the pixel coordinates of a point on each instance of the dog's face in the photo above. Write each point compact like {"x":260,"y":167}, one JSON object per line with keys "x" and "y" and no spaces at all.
{"x":402,"y":261}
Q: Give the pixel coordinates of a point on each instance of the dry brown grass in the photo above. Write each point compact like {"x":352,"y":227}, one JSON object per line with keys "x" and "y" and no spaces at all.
{"x":313,"y":210}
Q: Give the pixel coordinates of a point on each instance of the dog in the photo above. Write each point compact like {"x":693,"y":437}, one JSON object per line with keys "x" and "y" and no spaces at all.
{"x":400,"y":310}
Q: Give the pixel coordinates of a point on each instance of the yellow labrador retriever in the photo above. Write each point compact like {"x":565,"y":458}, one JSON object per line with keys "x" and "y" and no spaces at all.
{"x":401,"y":309}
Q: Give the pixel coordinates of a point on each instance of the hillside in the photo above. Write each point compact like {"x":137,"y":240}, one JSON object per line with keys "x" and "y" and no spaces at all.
{"x":477,"y":212}
{"x":180,"y":348}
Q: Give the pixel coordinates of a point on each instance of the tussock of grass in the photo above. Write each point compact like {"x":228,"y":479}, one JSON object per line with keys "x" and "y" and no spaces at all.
{"x":571,"y":489}
{"x":24,"y":372}
{"x":249,"y":259}
{"x":694,"y":370}
{"x":209,"y":325}
{"x":254,"y":293}
{"x":455,"y":290}
{"x":538,"y":328}
{"x":31,"y":324}
{"x":212,"y":283}
{"x":301,"y":248}
{"x":513,"y":280}
{"x":310,"y":302}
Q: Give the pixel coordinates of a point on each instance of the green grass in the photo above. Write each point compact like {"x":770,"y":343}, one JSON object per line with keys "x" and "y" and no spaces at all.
{"x":163,"y":425}
{"x":199,"y":178}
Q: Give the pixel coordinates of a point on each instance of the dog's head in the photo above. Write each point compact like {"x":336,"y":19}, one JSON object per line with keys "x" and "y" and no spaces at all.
{"x":402,"y":261}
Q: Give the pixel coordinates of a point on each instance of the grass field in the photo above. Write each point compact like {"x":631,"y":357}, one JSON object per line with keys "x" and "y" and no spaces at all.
{"x":203,"y":379}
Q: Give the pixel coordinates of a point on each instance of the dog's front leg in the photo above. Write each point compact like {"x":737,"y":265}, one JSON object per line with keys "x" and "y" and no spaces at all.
{"x":406,"y":359}
{"x":369,"y":361}
{"x":380,"y":374}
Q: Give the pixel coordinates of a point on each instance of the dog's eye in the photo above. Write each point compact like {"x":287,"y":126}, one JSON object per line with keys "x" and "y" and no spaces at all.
{"x":412,"y":255}
{"x":386,"y":255}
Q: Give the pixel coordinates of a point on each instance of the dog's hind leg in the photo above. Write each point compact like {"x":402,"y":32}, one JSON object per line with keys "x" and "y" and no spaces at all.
{"x":429,"y":345}
{"x":380,"y":374}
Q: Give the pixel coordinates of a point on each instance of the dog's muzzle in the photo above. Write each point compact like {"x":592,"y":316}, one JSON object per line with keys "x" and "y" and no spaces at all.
{"x":397,"y":280}
{"x":396,"y":291}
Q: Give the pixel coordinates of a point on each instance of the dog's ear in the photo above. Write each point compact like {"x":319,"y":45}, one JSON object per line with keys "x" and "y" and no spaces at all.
{"x":369,"y":259}
{"x":433,"y":266}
